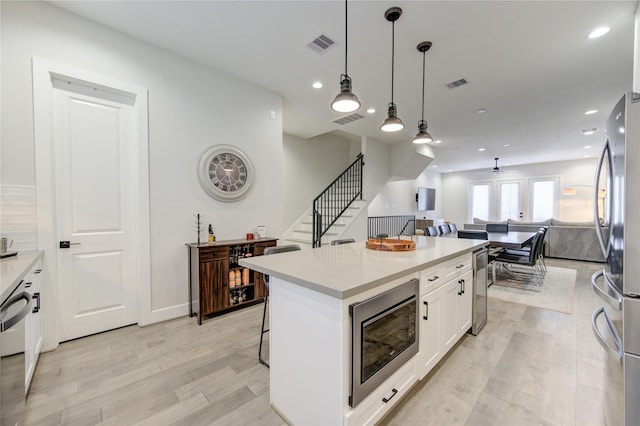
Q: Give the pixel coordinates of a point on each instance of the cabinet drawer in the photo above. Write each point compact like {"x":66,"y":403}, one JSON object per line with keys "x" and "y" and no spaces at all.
{"x":457,"y":266}
{"x":214,"y":253}
{"x":373,"y":407}
{"x":431,"y":278}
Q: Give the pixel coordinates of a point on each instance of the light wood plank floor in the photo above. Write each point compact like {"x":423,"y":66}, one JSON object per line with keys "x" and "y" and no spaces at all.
{"x":527,"y":366}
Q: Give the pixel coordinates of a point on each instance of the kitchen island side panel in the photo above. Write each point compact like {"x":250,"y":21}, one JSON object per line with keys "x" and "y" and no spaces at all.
{"x":307,"y":354}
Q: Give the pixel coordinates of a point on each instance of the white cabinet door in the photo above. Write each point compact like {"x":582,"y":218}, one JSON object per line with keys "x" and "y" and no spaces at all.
{"x":33,"y":334}
{"x":449,"y":315}
{"x":465,"y":302}
{"x":430,"y":344}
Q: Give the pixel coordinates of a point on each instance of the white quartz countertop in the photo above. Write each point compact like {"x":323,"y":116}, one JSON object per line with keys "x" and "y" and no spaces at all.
{"x":346,"y":270}
{"x":13,"y":269}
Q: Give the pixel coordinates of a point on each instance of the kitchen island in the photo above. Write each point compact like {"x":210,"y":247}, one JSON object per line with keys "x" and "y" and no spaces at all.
{"x":310,"y":295}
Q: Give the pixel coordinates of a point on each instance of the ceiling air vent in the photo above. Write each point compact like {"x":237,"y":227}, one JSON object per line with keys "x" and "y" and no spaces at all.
{"x":457,"y":83}
{"x":348,"y":119}
{"x":321,"y":44}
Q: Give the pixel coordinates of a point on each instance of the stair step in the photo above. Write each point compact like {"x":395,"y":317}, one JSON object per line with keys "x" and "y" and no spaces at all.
{"x":304,"y":231}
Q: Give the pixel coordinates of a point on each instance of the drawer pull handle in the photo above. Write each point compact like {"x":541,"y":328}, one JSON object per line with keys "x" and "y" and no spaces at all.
{"x":37,"y":308}
{"x":435,"y":277}
{"x":459,"y":266}
{"x":426,"y":312}
{"x":395,"y":391}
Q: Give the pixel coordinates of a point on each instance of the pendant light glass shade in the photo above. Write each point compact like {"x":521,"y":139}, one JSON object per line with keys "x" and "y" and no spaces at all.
{"x":392,"y":122}
{"x":423,"y":136}
{"x":345,"y":101}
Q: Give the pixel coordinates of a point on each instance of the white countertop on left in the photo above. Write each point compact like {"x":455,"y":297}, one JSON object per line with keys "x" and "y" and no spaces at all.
{"x":13,"y":269}
{"x":346,"y":270}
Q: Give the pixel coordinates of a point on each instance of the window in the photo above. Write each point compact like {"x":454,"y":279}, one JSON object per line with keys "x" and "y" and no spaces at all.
{"x":543,"y":199}
{"x":479,"y":206}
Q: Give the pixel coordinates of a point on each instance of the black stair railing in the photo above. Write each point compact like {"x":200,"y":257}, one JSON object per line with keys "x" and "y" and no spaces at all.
{"x":336,"y":199}
{"x":391,"y":225}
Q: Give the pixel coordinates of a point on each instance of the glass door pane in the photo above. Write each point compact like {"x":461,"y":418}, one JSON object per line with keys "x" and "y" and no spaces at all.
{"x":479,"y":201}
{"x":510,"y":200}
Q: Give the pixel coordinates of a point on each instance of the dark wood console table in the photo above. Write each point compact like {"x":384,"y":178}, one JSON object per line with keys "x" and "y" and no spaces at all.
{"x":212,"y":289}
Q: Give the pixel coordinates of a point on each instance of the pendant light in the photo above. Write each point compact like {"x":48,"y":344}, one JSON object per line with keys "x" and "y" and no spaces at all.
{"x":345,"y":101}
{"x":423,"y":136}
{"x":392,"y":123}
{"x":496,"y":169}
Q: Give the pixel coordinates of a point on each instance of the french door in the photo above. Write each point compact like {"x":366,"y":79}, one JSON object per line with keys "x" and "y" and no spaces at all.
{"x":509,"y":200}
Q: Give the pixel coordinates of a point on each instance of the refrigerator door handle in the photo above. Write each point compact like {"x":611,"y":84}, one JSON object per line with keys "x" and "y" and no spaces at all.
{"x":615,"y":352}
{"x":615,"y":302}
{"x":596,"y":212}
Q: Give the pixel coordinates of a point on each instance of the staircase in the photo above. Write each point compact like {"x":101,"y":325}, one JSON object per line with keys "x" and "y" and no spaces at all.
{"x":332,"y":211}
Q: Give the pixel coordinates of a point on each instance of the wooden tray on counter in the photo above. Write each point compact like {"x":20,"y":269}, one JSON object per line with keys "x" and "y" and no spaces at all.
{"x":390,"y":244}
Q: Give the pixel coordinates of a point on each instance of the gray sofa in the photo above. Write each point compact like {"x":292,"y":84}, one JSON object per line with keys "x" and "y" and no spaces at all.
{"x":566,"y":240}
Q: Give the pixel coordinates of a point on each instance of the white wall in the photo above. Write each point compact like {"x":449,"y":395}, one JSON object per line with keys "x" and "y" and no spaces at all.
{"x":398,"y":198}
{"x":191,"y":107}
{"x":455,"y":187}
{"x":310,"y":165}
{"x":636,"y":52}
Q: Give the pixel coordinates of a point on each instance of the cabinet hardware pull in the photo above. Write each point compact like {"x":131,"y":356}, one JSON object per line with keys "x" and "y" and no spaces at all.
{"x":395,"y":391}
{"x":464,"y":286}
{"x":37,"y":297}
{"x":460,"y":290}
{"x":435,"y":277}
{"x":426,"y":312}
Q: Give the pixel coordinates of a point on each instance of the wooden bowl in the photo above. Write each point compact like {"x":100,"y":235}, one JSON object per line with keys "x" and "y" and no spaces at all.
{"x":390,"y":244}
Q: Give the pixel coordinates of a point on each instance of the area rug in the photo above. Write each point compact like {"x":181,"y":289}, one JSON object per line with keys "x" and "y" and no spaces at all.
{"x":555,"y":294}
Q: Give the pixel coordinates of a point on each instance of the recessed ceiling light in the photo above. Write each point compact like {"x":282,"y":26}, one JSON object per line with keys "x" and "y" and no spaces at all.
{"x":588,"y":132}
{"x":482,"y":149}
{"x":481,"y":111}
{"x":371,"y":110}
{"x":434,"y":166}
{"x":450,"y":170}
{"x":317,"y":85}
{"x":591,"y":111}
{"x":598,"y":32}
{"x":438,"y":141}
{"x":587,"y":146}
{"x":506,"y":144}
{"x":586,"y":156}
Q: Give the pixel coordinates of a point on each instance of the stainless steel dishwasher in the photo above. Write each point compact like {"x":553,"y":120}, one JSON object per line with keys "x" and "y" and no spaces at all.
{"x":480,"y":280}
{"x":13,"y":311}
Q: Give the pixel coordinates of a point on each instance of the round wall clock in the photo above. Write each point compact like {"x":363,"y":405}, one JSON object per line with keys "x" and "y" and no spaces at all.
{"x":225,"y":173}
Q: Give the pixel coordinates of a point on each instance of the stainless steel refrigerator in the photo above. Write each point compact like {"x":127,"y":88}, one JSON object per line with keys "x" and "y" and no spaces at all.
{"x":616,"y":324}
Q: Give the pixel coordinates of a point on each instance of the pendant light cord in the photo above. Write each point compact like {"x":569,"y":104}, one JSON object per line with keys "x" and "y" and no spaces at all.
{"x":393,"y":53}
{"x":346,"y":39}
{"x":423,"y":60}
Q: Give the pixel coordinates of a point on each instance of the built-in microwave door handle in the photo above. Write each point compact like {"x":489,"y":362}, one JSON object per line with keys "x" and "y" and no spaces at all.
{"x":6,"y":325}
{"x":596,"y":211}
{"x":615,"y":352}
{"x":614,"y":302}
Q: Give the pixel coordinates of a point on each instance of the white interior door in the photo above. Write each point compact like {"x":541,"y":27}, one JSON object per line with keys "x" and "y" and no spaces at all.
{"x":94,"y":144}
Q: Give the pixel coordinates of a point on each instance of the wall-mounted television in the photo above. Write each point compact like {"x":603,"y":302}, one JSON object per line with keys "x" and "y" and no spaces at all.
{"x":426,"y":198}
